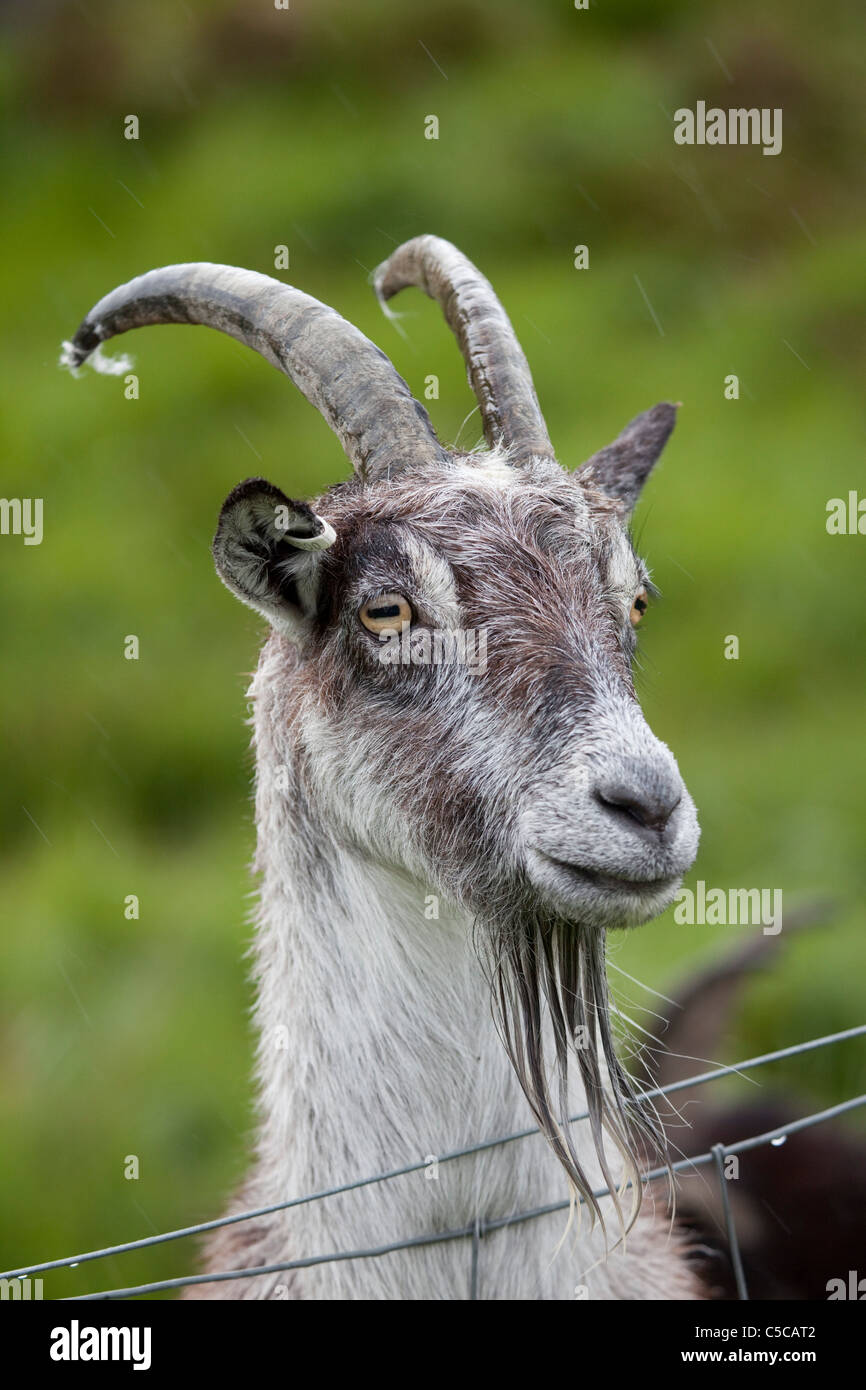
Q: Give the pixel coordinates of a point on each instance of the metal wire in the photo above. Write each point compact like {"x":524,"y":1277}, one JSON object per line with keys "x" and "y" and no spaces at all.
{"x":458,"y":1233}
{"x":476,"y":1250}
{"x":478,"y":1228}
{"x":733,"y":1244}
{"x":749,"y":1065}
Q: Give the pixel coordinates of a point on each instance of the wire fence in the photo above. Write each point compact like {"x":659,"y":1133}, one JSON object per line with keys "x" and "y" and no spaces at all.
{"x":475,"y":1231}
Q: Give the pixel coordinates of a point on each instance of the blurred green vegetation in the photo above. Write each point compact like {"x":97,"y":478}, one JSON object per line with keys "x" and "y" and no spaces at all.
{"x":261,"y":127}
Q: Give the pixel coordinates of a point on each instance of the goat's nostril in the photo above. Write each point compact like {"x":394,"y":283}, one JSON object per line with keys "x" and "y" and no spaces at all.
{"x":649,"y":810}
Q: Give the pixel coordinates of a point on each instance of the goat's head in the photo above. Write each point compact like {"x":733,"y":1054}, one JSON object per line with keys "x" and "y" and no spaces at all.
{"x":459,"y":630}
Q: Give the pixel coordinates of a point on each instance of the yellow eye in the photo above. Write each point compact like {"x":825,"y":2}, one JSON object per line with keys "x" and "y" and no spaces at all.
{"x":639,"y":606}
{"x":385,"y":611}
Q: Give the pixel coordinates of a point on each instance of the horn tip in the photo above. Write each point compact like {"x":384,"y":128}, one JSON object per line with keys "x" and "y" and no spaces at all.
{"x":86,"y":347}
{"x":75,"y":353}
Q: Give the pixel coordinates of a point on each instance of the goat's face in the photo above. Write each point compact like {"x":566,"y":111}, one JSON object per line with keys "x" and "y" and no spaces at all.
{"x":464,"y":686}
{"x":527,"y":769}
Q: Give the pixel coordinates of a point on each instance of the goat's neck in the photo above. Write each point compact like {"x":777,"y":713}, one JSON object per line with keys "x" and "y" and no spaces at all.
{"x":375,"y":1019}
{"x":377,"y":1049}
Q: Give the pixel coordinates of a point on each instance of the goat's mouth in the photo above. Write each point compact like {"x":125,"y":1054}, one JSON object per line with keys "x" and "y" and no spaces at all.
{"x":610,"y":899}
{"x":602,"y":880}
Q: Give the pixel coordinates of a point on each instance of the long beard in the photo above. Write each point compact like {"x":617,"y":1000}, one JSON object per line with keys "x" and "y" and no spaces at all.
{"x":551,"y":1008}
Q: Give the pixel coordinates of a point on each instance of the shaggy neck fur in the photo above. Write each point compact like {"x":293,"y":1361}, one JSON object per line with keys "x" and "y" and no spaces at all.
{"x":377,"y":1048}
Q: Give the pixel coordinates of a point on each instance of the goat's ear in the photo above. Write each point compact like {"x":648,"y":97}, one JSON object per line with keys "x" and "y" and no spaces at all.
{"x":267,"y":551}
{"x":621,"y":469}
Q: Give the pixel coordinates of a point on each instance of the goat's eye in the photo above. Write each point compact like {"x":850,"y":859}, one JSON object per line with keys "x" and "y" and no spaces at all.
{"x":639,"y":606}
{"x":385,"y":611}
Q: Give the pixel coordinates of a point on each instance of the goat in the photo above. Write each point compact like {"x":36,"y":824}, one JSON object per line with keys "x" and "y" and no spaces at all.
{"x":442,"y":846}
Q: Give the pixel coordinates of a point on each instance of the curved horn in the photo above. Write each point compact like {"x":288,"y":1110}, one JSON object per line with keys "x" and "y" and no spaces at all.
{"x":497,"y":369}
{"x":367,"y":404}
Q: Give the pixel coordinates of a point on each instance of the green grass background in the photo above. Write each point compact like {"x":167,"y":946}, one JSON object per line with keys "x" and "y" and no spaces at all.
{"x":261,"y":127}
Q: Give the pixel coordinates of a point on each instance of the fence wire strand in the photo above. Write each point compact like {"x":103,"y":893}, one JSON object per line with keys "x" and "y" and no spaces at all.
{"x":478,"y":1228}
{"x":459,"y":1233}
{"x":719,"y":1152}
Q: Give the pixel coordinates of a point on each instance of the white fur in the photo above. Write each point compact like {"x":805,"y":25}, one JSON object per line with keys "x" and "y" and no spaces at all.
{"x":377,"y":1049}
{"x":106,"y":366}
